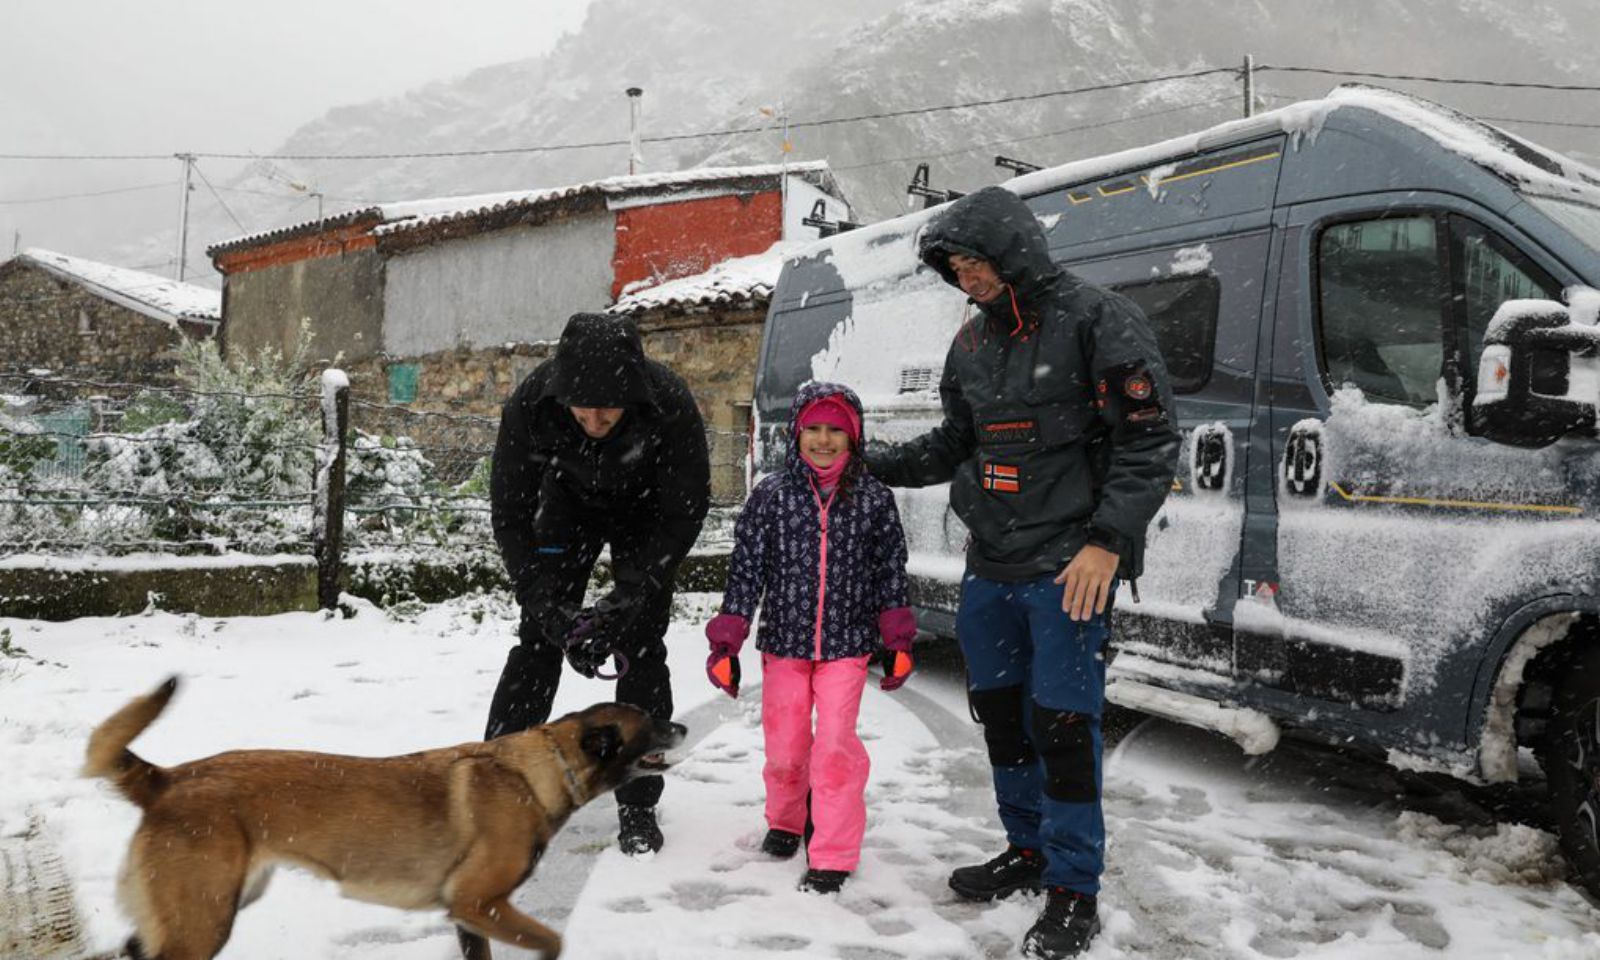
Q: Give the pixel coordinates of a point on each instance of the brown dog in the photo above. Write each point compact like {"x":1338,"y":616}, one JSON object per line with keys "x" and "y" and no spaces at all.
{"x":458,"y":828}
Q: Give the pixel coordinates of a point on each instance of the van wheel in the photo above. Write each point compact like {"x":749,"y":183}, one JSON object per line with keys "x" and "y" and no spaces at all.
{"x":1570,"y":756}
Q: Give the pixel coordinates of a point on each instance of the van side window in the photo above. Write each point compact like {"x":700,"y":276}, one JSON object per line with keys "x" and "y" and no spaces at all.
{"x":1381,"y":298}
{"x":1489,"y":271}
{"x":1183,"y":313}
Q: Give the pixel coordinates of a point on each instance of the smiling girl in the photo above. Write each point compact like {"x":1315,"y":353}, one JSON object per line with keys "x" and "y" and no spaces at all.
{"x":819,"y":548}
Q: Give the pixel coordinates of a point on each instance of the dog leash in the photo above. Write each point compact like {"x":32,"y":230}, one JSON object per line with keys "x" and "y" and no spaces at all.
{"x":621,"y":660}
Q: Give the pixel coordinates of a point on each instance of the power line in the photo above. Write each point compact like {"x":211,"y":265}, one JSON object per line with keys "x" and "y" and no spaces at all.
{"x":1040,"y":136}
{"x":96,"y":193}
{"x":1468,"y":81}
{"x":224,"y":203}
{"x":551,"y":148}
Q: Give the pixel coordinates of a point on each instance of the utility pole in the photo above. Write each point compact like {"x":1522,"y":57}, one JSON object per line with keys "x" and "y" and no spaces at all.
{"x":16,"y":242}
{"x":1249,"y":85}
{"x":781,"y":114}
{"x":635,"y":153}
{"x":183,"y":213}
{"x":783,"y":182}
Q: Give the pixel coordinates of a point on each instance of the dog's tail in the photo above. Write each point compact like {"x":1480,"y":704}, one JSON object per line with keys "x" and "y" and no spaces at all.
{"x":109,"y":756}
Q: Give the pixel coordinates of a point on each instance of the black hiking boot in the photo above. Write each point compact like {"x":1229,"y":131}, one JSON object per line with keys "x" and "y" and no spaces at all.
{"x":1016,"y":869}
{"x":823,"y":881}
{"x":1065,"y":928}
{"x":781,"y":844}
{"x":638,"y":831}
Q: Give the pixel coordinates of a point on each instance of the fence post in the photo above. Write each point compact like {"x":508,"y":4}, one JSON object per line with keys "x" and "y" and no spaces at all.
{"x":328,"y":507}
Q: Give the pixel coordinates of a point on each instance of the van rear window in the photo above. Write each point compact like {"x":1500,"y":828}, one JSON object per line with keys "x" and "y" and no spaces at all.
{"x":1183,"y":313}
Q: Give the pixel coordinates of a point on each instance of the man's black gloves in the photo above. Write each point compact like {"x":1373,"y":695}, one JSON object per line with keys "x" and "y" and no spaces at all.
{"x":592,"y":637}
{"x":588,"y":643}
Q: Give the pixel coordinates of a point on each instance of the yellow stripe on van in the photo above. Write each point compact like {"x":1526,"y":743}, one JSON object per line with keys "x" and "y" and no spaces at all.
{"x":1464,"y":504}
{"x":1117,"y":192}
{"x":1225,"y":166}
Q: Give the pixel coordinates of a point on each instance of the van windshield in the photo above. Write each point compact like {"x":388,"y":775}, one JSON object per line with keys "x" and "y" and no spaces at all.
{"x":1582,"y":219}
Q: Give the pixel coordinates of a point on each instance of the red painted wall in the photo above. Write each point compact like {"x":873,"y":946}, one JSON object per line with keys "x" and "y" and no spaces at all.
{"x":672,"y":240}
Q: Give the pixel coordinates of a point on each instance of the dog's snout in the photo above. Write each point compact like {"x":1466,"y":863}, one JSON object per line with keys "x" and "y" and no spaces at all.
{"x":678,"y":729}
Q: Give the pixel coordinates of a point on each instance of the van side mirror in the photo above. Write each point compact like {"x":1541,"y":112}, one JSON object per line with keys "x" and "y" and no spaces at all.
{"x":1538,"y":377}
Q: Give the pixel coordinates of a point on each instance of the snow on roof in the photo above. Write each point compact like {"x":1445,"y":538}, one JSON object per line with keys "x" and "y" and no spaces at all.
{"x":156,"y":297}
{"x":1533,"y":169}
{"x":741,"y":280}
{"x":408,"y":215}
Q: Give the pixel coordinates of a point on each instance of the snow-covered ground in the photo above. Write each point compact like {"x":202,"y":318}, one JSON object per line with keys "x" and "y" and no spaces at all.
{"x":1211,"y":855}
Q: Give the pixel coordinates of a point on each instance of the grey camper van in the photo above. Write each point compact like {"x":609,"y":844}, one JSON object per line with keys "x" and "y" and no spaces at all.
{"x":1370,"y":537}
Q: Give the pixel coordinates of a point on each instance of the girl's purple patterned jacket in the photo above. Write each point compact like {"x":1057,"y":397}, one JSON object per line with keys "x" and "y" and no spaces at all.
{"x":821,"y":570}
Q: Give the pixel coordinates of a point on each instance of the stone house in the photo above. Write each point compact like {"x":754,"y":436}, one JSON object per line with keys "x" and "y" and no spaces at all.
{"x":89,"y":321}
{"x":448,"y":303}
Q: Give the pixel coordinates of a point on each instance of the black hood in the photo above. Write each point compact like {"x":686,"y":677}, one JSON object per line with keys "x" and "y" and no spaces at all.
{"x":996,"y":225}
{"x":600,"y":363}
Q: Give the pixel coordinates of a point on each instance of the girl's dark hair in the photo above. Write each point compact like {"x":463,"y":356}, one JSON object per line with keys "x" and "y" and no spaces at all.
{"x":852,"y":470}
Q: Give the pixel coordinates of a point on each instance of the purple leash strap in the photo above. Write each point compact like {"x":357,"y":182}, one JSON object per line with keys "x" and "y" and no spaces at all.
{"x":622,"y":667}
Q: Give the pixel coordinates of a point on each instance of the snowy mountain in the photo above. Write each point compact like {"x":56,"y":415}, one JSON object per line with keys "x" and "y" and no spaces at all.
{"x":706,"y":65}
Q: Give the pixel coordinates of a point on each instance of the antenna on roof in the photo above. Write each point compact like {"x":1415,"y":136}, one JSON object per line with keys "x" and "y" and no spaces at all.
{"x":930,"y":197}
{"x":1017,"y":167}
{"x":635,"y":153}
{"x":1248,"y":75}
{"x":819,"y":218}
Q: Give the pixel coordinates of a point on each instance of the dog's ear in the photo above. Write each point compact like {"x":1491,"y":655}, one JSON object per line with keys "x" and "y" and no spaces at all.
{"x":602,"y":742}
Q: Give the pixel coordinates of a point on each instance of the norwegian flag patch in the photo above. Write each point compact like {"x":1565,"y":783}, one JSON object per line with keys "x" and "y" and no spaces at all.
{"x":1138,"y":386}
{"x":1002,"y":478}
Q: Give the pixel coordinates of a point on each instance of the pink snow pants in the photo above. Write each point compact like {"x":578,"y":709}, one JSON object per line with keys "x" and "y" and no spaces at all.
{"x":831,"y":763}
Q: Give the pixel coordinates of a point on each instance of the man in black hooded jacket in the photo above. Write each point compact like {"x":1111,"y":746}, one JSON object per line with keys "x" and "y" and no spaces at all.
{"x":598,"y":446}
{"x":1059,"y":449}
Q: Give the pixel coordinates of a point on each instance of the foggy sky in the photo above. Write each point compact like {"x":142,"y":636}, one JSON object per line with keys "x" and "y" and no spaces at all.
{"x":163,"y":76}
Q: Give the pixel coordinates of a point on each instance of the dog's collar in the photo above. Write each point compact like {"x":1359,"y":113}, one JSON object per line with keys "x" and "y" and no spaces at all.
{"x":569,"y":779}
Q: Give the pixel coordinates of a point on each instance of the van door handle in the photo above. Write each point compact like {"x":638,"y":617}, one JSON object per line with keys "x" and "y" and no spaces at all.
{"x":1211,"y":453}
{"x":1302,"y":460}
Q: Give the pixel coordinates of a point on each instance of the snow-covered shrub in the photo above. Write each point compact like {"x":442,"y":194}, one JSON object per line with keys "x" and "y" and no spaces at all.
{"x":250,"y":414}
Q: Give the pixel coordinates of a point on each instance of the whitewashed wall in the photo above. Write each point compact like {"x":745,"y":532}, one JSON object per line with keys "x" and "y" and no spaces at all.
{"x":516,"y":285}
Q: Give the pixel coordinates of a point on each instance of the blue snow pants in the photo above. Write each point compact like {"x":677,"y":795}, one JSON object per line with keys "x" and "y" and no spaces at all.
{"x":1036,"y":680}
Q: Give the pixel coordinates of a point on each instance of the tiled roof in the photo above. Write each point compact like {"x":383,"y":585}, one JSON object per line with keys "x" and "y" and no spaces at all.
{"x":402,"y":217}
{"x":745,"y":281}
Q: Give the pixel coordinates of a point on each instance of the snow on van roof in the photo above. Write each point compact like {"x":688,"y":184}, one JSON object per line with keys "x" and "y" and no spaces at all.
{"x":741,"y":280}
{"x":1532,"y":168}
{"x":158,"y":298}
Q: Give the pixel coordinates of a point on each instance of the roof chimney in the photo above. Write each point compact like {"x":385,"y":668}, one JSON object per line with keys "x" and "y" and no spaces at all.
{"x":635,"y":155}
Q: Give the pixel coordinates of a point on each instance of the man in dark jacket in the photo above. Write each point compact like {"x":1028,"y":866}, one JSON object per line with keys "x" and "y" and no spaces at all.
{"x":597,"y":446}
{"x":1058,"y":443}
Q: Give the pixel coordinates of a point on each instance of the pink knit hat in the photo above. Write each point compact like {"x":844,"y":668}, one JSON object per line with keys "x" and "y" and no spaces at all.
{"x":835,"y":411}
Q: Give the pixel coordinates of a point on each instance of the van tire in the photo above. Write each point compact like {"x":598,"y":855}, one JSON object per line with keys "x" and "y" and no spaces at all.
{"x":1570,"y":755}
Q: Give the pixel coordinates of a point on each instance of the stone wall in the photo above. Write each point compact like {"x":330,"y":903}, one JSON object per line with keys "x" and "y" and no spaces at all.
{"x":50,"y":323}
{"x":714,"y":351}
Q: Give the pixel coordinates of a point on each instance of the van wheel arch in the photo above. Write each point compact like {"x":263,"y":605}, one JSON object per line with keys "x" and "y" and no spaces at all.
{"x":1525,"y":676}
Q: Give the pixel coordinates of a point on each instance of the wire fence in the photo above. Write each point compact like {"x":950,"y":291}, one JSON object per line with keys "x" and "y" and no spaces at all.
{"x":91,"y":467}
